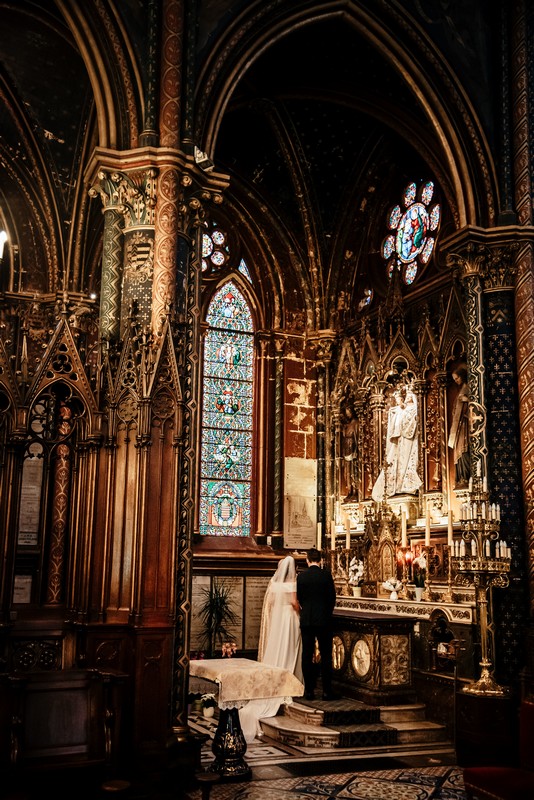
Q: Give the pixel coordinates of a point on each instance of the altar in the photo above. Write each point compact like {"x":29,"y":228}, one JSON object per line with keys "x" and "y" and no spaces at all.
{"x":239,"y":681}
{"x":372,"y":656}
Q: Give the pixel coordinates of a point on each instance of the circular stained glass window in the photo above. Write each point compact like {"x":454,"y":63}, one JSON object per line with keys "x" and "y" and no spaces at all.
{"x":410,"y":245}
{"x":215,"y":250}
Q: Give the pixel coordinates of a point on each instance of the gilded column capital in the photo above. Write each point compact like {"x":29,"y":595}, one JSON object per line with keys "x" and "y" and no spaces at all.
{"x":323,"y":343}
{"x":132,"y":194}
{"x":489,"y":254}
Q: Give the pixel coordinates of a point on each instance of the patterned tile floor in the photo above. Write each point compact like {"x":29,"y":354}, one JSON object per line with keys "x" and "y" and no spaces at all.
{"x":283,"y":773}
{"x":423,"y":783}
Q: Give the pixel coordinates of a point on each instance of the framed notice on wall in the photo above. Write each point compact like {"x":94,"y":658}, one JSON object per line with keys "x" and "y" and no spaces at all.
{"x":300,"y":503}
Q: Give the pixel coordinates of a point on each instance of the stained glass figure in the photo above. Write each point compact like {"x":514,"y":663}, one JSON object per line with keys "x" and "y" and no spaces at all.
{"x":227,"y":423}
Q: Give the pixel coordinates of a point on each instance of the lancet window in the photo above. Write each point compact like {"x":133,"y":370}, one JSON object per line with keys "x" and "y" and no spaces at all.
{"x":227,"y":415}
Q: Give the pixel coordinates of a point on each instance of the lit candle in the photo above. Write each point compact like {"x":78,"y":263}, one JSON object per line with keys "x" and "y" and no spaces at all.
{"x":320,"y":536}
{"x":485,"y":484}
{"x":462,"y":549}
{"x":488,"y":548}
{"x":470,"y":484}
{"x":347,"y":542}
{"x":479,"y":469}
{"x":450,"y":532}
{"x":473,"y":548}
{"x":427,"y":527}
{"x":404,"y":532}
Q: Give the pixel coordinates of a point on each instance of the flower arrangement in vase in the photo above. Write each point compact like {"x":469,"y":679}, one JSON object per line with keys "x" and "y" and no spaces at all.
{"x":419,"y":567}
{"x":392,"y":585}
{"x":356,"y":576}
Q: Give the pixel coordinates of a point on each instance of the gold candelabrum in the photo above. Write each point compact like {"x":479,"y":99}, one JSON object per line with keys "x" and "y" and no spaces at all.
{"x":481,"y":558}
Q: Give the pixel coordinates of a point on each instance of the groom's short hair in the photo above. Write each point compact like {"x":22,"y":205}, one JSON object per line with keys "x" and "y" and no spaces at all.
{"x":313,"y":556}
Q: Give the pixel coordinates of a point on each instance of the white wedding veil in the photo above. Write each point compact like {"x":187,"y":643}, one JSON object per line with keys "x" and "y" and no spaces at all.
{"x":283,"y":581}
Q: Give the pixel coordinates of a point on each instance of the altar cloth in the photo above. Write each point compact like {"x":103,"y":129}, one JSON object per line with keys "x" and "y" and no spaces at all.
{"x":242,"y":679}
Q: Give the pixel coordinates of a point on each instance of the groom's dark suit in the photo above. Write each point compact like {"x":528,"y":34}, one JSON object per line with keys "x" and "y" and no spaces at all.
{"x":316,"y":594}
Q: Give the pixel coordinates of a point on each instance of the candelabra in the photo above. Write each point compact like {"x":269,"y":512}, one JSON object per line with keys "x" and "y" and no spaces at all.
{"x":481,"y":558}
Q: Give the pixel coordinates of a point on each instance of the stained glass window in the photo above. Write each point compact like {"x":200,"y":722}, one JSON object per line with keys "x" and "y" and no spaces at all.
{"x":243,"y":269}
{"x":214,"y":249}
{"x":228,"y":393}
{"x":409,"y":244}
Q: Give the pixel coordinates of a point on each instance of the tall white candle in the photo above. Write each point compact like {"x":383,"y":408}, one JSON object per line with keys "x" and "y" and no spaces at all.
{"x":404,"y":532}
{"x":347,"y":541}
{"x":320,"y":536}
{"x":479,"y":469}
{"x":470,"y":484}
{"x":427,"y":527}
{"x":450,"y":532}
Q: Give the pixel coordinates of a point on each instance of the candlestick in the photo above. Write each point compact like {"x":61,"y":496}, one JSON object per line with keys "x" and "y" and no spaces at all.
{"x":450,"y":532}
{"x":404,"y":532}
{"x":427,"y":527}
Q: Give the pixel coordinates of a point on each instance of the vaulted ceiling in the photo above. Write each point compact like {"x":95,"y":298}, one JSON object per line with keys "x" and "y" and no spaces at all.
{"x":319,"y":133}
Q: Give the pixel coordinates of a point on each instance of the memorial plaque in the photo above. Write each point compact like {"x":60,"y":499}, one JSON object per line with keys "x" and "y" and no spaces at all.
{"x":254,"y":593}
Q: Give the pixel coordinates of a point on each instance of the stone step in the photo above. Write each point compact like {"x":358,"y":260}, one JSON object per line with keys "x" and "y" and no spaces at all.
{"x":402,"y":713}
{"x":351,"y":724}
{"x":295,"y":733}
{"x":337,"y":712}
{"x":423,"y":731}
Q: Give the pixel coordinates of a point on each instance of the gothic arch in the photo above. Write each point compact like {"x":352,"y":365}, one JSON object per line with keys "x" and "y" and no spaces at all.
{"x":457,"y":139}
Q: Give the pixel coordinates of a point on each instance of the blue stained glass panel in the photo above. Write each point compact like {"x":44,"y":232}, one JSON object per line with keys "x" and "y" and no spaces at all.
{"x":243,"y":269}
{"x":227,"y":405}
{"x":394,"y":216}
{"x":409,"y":194}
{"x":388,"y":246}
{"x":435,"y":215}
{"x":224,"y":508}
{"x":410,"y":271}
{"x":411,"y":233}
{"x":207,"y":245}
{"x":229,"y":309}
{"x":228,"y":355}
{"x":228,"y":456}
{"x":427,"y":192}
{"x":427,"y":250}
{"x":227,"y":423}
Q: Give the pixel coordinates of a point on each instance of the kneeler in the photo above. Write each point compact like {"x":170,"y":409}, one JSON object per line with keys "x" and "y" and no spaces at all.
{"x":507,"y":783}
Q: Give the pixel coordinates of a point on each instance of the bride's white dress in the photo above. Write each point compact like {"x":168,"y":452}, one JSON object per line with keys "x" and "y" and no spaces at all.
{"x":280,"y":643}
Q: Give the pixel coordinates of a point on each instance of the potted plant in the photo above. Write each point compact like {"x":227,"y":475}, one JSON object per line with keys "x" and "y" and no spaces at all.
{"x":419,"y":575}
{"x":356,"y":576}
{"x":217,"y":615}
{"x":209,"y":704}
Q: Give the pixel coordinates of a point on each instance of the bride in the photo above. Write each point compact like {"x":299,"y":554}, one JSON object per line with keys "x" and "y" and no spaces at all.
{"x":280,"y":642}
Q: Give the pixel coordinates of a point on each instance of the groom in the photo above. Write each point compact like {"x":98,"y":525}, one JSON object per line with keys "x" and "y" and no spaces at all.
{"x":316,"y":594}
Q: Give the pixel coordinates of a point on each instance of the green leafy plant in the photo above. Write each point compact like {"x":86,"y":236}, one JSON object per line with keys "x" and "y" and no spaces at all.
{"x":217,"y":616}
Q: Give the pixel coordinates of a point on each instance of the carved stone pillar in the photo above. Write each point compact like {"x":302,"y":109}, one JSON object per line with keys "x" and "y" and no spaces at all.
{"x":323,"y":342}
{"x":489,"y":274}
{"x":139,"y":192}
{"x":107,"y":189}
